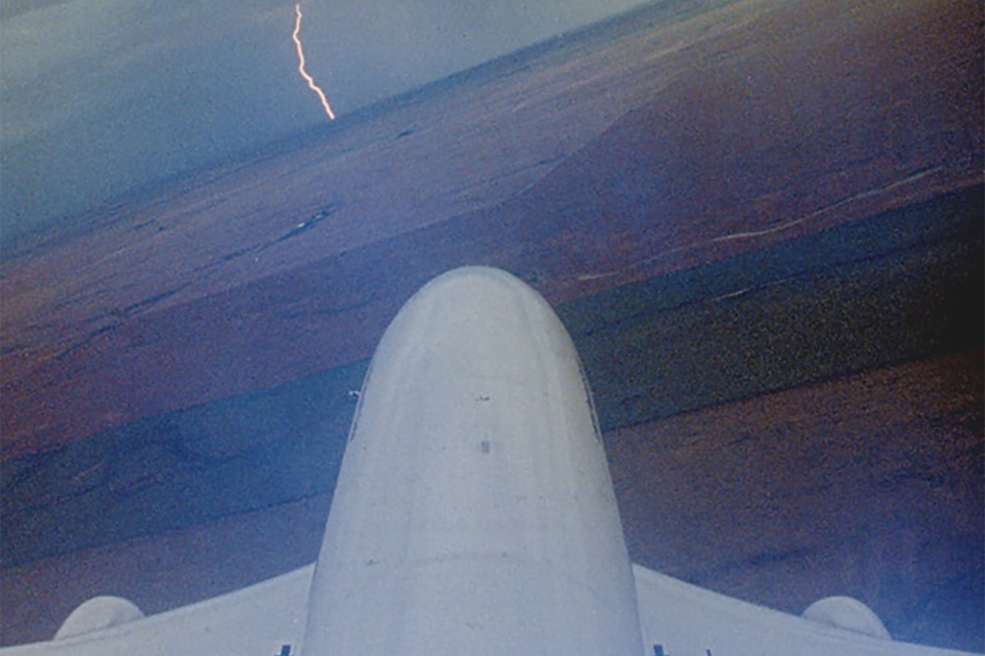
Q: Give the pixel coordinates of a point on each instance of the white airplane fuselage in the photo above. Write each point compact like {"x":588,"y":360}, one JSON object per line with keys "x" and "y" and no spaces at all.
{"x":473,"y":514}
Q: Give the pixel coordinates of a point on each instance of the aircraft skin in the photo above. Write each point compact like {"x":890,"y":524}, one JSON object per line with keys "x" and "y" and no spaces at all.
{"x":474,"y":514}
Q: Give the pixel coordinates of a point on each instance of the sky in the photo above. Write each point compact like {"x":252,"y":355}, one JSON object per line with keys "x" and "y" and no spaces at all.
{"x":98,"y":97}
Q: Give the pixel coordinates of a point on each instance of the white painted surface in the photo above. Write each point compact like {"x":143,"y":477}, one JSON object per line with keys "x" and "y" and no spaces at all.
{"x":97,"y":614}
{"x":846,"y":613}
{"x":254,"y":621}
{"x":685,"y":620}
{"x":474,"y":514}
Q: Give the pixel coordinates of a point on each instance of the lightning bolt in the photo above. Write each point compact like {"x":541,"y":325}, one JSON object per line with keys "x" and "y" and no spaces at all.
{"x":310,"y":80}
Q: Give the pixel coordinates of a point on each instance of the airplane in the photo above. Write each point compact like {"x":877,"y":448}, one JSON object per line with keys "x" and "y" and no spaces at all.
{"x":474,"y":514}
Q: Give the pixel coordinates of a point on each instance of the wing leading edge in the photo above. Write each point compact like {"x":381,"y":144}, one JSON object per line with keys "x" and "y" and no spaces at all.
{"x":478,"y":364}
{"x":680,"y":619}
{"x":261,"y":620}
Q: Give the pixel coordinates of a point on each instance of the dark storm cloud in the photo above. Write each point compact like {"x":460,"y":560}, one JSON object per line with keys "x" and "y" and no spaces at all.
{"x":100,"y":96}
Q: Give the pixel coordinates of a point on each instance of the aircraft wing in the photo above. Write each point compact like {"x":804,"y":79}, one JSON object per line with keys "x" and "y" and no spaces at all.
{"x":473,"y":514}
{"x":679,"y":619}
{"x":266,"y":619}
